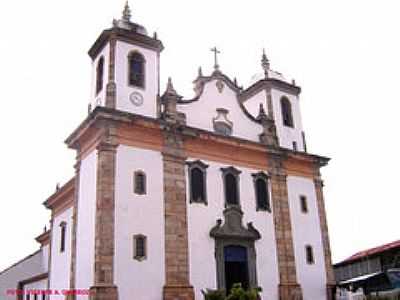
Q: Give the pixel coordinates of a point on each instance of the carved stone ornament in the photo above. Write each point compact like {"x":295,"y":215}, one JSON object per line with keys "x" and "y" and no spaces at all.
{"x":220,"y":85}
{"x":233,"y":227}
{"x":221,"y":123}
{"x":233,"y":233}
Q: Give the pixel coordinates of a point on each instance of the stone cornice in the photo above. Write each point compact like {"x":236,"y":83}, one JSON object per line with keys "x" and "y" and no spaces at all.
{"x":44,"y":238}
{"x":91,"y":126}
{"x":268,"y":84}
{"x":125,"y":36}
{"x":62,"y":198}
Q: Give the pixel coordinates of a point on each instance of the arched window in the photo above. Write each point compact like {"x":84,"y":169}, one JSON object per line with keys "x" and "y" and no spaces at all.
{"x":63,"y":228}
{"x":286,"y":109}
{"x":139,"y":247}
{"x":99,"y":75}
{"x":136,"y":67}
{"x":261,"y":190}
{"x":197,"y":182}
{"x":231,"y":185}
{"x":309,"y":255}
{"x":140,"y":183}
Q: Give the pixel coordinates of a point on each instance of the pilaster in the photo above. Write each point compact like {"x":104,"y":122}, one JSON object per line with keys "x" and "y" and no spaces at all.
{"x":111,"y":87}
{"x":77,"y":166}
{"x":330,"y":277}
{"x":177,"y":285}
{"x":104,"y":287}
{"x":289,"y":289}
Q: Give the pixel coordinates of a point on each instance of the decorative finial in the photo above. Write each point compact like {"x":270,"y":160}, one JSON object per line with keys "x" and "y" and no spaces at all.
{"x":216,"y":52}
{"x":265,"y":63}
{"x":235,"y":81}
{"x":45,"y":228}
{"x":170,"y":88}
{"x":126,"y":14}
{"x":200,"y":72}
{"x":57,"y":186}
{"x":155,"y":36}
{"x":261,"y":113}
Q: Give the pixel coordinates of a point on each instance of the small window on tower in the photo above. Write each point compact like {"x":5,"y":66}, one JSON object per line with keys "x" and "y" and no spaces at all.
{"x":139,"y":247}
{"x":63,"y":228}
{"x":197,"y":181}
{"x":140,"y":183}
{"x":303,"y":204}
{"x":261,"y":189}
{"x":310,"y":255}
{"x":231,"y":185}
{"x":136,"y":67}
{"x":99,"y":75}
{"x":294,"y":146}
{"x":286,"y":108}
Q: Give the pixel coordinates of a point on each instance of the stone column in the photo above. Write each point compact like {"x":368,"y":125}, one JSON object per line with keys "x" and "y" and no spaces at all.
{"x":177,"y":285}
{"x":289,"y":289}
{"x":104,"y":288}
{"x":330,"y":277}
{"x":77,"y":166}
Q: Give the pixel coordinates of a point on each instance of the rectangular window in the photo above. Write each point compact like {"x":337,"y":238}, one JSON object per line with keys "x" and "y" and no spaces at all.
{"x":63,"y":226}
{"x":139,"y":247}
{"x":140,"y":183}
{"x":303,"y":204}
{"x":294,"y":146}
{"x":310,"y":255}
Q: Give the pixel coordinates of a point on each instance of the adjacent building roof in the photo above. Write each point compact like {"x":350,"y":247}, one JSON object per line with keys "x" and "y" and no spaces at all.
{"x":371,"y":251}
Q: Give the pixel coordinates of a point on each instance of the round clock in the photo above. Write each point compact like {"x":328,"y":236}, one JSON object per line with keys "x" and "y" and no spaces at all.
{"x":136,"y":98}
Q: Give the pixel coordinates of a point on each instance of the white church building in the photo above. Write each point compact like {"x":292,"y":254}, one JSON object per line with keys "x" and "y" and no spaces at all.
{"x":172,"y":196}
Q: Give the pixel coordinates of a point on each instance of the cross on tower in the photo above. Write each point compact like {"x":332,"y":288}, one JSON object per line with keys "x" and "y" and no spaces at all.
{"x":216,"y":52}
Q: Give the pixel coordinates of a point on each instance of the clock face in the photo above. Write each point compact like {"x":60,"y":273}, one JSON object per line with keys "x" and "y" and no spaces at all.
{"x":136,"y":98}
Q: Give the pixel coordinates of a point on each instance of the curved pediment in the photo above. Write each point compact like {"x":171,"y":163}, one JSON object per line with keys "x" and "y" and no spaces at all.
{"x":216,"y":108}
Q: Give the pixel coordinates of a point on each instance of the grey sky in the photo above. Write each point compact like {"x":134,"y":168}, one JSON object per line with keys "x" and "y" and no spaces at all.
{"x":344,"y":54}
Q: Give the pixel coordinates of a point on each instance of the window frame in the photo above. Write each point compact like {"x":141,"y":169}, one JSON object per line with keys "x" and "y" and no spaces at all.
{"x":130,"y":57}
{"x":286,"y":108}
{"x":99,"y":79}
{"x":137,"y":257}
{"x":295,"y":147}
{"x":136,"y":190}
{"x":310,"y":257}
{"x":266,"y":178}
{"x":63,"y":234}
{"x":304,"y":204}
{"x":197,"y":164}
{"x":235,"y":172}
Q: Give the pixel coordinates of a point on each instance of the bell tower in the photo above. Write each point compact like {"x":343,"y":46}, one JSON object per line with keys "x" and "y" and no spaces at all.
{"x":125,"y":68}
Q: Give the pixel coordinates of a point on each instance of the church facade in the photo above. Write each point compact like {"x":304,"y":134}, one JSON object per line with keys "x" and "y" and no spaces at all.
{"x":173,"y":196}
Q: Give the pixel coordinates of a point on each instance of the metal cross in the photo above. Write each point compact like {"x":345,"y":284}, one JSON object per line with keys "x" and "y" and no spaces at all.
{"x":216,"y":52}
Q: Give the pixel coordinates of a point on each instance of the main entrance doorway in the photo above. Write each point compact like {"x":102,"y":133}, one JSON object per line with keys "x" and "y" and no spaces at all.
{"x":236,"y":266}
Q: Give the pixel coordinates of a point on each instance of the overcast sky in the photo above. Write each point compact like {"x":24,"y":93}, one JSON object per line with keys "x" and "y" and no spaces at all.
{"x":344,"y":54}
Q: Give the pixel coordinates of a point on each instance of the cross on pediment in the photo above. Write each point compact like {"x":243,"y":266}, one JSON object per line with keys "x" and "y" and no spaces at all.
{"x":216,"y":52}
